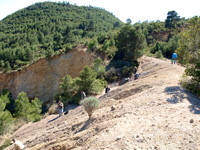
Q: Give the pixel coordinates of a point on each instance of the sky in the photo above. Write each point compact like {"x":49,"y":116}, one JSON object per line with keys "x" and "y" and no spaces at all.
{"x":136,"y":10}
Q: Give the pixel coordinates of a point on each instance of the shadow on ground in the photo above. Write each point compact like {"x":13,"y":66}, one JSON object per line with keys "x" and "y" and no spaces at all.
{"x":86,"y":124}
{"x":178,"y":94}
{"x":53,"y":119}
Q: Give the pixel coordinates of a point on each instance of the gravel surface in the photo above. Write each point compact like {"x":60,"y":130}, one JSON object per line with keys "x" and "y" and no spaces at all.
{"x":153,"y":112}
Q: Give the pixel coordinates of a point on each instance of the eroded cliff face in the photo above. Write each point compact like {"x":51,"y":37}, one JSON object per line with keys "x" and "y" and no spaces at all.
{"x":42,"y":78}
{"x":161,"y":36}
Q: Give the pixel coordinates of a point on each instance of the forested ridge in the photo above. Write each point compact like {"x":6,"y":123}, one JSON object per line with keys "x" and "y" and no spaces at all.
{"x":42,"y":29}
{"x":49,"y":28}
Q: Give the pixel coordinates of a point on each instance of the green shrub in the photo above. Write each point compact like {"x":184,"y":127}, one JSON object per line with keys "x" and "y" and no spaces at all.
{"x":194,"y":74}
{"x":2,"y":104}
{"x":87,"y":82}
{"x":69,"y":88}
{"x":76,"y":99}
{"x":36,"y":110}
{"x":90,"y":104}
{"x":6,"y":118}
{"x":68,"y":47}
{"x":98,"y":67}
{"x":7,"y":67}
{"x":2,"y":63}
{"x":26,"y":110}
{"x":110,"y":74}
{"x":125,"y":71}
{"x":159,"y":54}
{"x":87,"y":77}
{"x":93,"y":44}
{"x":111,"y":52}
{"x":97,"y":86}
{"x":6,"y":121}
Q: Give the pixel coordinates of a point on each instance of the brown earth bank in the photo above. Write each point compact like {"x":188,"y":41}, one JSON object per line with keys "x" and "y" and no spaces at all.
{"x":153,"y":112}
{"x":161,"y":36}
{"x":42,"y":78}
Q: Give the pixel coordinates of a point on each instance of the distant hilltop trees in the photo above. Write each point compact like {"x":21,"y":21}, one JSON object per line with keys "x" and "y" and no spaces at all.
{"x":45,"y":29}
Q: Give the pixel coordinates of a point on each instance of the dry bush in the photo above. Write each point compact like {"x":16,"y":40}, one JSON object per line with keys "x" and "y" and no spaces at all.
{"x":4,"y":141}
{"x":90,"y":104}
{"x":52,"y":110}
{"x":18,"y":123}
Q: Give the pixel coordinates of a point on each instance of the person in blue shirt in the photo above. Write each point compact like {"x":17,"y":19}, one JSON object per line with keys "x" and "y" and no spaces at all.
{"x":174,"y":56}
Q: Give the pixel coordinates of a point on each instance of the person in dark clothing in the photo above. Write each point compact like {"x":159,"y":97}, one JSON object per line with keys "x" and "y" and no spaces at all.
{"x":126,"y":80}
{"x":107,"y":89}
{"x":136,"y":76}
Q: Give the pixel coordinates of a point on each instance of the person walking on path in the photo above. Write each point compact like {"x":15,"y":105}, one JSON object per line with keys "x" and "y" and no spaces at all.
{"x":17,"y":144}
{"x":174,"y":56}
{"x":60,"y":108}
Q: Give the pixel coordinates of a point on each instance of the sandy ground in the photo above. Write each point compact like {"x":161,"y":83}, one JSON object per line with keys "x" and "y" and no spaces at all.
{"x":153,"y":112}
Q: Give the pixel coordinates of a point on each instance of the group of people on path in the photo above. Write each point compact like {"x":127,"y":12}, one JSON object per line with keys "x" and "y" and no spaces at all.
{"x":107,"y":89}
{"x":18,"y":144}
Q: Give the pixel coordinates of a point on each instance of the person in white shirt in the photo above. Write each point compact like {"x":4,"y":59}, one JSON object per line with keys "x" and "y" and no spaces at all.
{"x":17,"y":144}
{"x":83,"y":95}
{"x":60,"y":108}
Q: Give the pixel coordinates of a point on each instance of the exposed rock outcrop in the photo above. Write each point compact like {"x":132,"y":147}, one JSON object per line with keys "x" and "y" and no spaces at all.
{"x":161,"y":36}
{"x":41,"y":79}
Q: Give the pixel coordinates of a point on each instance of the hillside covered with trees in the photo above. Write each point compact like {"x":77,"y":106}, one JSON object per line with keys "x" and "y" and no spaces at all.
{"x":45,"y":29}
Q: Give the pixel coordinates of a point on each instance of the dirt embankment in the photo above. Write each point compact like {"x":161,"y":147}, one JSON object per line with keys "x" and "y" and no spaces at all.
{"x":42,"y":78}
{"x":153,"y":112}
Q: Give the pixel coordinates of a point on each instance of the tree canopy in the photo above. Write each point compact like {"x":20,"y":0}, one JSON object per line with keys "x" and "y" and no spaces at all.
{"x":172,"y":18}
{"x":44,"y":29}
{"x":189,"y":54}
{"x":130,"y":42}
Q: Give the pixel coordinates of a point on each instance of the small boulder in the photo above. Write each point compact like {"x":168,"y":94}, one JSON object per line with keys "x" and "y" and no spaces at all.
{"x":191,"y":120}
{"x":113,"y":107}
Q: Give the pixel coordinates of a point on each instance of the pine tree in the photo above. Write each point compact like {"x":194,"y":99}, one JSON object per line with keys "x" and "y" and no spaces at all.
{"x":68,"y":87}
{"x":7,"y":66}
{"x":172,"y":18}
{"x":87,"y":77}
{"x":25,"y":110}
{"x":98,"y":67}
{"x":36,"y":110}
{"x":6,"y":119}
